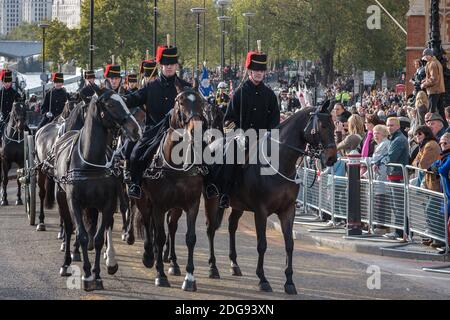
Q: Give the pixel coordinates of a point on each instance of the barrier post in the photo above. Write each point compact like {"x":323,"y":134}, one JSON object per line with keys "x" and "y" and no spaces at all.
{"x":354,"y":226}
{"x":332,"y":197}
{"x":371,"y":194}
{"x":406,"y":229}
{"x":305,"y":186}
{"x":444,"y":189}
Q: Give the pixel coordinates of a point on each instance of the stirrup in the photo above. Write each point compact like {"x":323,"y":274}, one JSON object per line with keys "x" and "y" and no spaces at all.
{"x":211,"y":191}
{"x":135,"y":191}
{"x":127,"y":176}
{"x":224,"y":202}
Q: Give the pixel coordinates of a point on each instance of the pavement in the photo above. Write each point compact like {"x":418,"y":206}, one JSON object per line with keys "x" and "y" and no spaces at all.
{"x":311,"y":228}
{"x":30,"y":263}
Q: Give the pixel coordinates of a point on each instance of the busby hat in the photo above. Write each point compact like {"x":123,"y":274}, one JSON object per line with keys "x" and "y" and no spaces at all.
{"x":167,"y":55}
{"x":256,"y":61}
{"x":112,"y":71}
{"x":57,"y":77}
{"x":6,"y":75}
{"x":89,"y":74}
{"x":132,"y":78}
{"x":148,"y":68}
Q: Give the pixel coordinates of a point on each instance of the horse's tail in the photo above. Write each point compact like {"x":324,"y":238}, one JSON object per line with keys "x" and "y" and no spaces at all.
{"x":49,"y":200}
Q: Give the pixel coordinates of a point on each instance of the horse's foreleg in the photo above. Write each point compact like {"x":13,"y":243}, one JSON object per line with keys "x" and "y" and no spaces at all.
{"x":68,"y":226}
{"x":189,"y":283}
{"x":175,"y":215}
{"x":233,"y":222}
{"x":5,"y":166}
{"x":260,"y":225}
{"x":167,"y":245}
{"x":124,"y":209}
{"x":129,"y":234}
{"x":160,"y":235}
{"x":287,"y":221}
{"x":42,"y":191}
{"x":210,"y":211}
{"x":111,"y":262}
{"x":19,"y":201}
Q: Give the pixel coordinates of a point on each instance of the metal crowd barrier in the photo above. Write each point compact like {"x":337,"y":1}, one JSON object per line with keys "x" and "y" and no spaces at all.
{"x":412,"y":209}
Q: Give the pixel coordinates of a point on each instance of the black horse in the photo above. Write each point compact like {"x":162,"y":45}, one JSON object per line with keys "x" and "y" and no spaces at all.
{"x":166,"y":179}
{"x":84,"y":181}
{"x":275,"y":193}
{"x":12,"y":148}
{"x":72,"y":118}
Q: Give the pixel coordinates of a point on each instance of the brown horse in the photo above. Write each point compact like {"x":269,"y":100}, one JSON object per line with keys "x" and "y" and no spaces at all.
{"x":166,"y":178}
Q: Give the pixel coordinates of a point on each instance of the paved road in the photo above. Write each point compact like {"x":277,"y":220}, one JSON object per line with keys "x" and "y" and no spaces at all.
{"x":30,"y":261}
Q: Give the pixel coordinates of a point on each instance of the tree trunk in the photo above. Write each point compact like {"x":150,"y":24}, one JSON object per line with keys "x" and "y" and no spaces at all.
{"x":328,"y":66}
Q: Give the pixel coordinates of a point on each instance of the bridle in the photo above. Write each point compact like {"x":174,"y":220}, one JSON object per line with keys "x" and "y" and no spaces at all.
{"x":16,"y":120}
{"x":182,"y":119}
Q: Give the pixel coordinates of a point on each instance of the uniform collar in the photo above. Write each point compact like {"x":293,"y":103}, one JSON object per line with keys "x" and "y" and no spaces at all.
{"x":167,"y":81}
{"x":252,"y":85}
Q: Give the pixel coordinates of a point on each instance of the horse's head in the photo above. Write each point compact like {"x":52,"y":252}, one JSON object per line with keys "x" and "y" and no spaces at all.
{"x":188,"y":110}
{"x":319,"y":133}
{"x":115,"y":114}
{"x":18,"y":116}
{"x":68,"y":107}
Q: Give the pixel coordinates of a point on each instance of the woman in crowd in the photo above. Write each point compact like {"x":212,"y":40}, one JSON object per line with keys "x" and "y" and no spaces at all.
{"x":381,"y":138}
{"x":354,"y":137}
{"x":367,"y":145}
{"x":429,"y":152}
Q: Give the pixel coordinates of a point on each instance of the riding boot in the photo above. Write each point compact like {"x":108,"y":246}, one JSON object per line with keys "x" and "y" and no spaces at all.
{"x":136,"y":171}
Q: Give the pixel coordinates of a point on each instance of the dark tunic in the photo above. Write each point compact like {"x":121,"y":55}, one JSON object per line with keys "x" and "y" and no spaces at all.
{"x":7,"y":98}
{"x":54,"y":101}
{"x":257,"y":106}
{"x":86,"y":93}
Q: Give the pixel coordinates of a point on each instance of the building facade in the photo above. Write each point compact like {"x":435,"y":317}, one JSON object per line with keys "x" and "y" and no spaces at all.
{"x":418,"y":19}
{"x":68,"y":12}
{"x":34,"y":11}
{"x":10,"y":15}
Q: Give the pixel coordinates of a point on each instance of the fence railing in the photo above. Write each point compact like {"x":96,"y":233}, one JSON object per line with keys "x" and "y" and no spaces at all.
{"x":402,"y":206}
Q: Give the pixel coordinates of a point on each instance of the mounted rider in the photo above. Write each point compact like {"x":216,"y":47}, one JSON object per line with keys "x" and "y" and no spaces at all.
{"x":7,"y":97}
{"x":87,"y":91}
{"x":148,"y":71}
{"x":222,"y":98}
{"x":113,"y":79}
{"x":254,"y":106}
{"x":158,"y":96}
{"x":131,"y":83}
{"x":55,"y":100}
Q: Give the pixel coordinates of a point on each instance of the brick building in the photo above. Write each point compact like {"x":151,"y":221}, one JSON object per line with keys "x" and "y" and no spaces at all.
{"x":418,"y":20}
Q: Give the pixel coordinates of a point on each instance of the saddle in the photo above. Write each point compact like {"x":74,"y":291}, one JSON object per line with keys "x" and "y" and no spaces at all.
{"x":63,"y":142}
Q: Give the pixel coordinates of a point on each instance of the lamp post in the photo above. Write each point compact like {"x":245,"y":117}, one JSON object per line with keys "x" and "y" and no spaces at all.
{"x":91,"y":32}
{"x":155,"y":23}
{"x":175,"y":22}
{"x":223,"y":19}
{"x":204,"y":31}
{"x":44,"y":77}
{"x":248,"y":15}
{"x":198,"y":12}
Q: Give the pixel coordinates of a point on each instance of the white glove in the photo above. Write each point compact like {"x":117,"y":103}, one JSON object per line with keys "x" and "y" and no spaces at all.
{"x":49,"y":114}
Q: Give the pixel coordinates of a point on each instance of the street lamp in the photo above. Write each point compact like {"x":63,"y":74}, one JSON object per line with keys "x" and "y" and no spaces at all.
{"x":155,"y":21}
{"x":91,"y":31}
{"x":198,"y":12}
{"x":44,"y":77}
{"x":175,"y":22}
{"x":248,"y":15}
{"x":223,"y":19}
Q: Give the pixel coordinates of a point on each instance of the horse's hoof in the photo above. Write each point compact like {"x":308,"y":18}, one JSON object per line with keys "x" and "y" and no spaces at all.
{"x":214,"y":273}
{"x":265,"y":287}
{"x":99,"y":284}
{"x":162,"y":282}
{"x":89,"y":285}
{"x":41,"y":227}
{"x":60,"y":235}
{"x":190,"y":286}
{"x":124,"y":236}
{"x":4,"y":203}
{"x":148,"y":260}
{"x":113,"y":270}
{"x":290,"y":289}
{"x":76,"y":256}
{"x":90,"y":246}
{"x":174,"y":270}
{"x":236,"y":271}
{"x":64,"y":271}
{"x":105,"y":256}
{"x":63,"y":247}
{"x":130,"y":239}
{"x":19,"y":202}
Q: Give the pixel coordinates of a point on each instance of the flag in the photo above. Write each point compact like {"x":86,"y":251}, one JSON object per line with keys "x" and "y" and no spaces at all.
{"x":205,"y":85}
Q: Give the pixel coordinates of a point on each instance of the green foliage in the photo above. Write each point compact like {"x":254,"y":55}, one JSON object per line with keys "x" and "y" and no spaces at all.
{"x":25,"y":31}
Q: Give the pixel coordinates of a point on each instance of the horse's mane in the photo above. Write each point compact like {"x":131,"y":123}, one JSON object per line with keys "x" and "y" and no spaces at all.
{"x":298,"y":116}
{"x":75,"y":120}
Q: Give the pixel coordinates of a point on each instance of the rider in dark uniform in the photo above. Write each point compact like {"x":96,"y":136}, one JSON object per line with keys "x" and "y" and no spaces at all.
{"x":113,"y":79}
{"x":87,"y":92}
{"x":132,"y":83}
{"x":222,"y":98}
{"x":54,"y":101}
{"x":148,"y":71}
{"x":256,"y":105}
{"x":159,"y":99}
{"x":7,"y":97}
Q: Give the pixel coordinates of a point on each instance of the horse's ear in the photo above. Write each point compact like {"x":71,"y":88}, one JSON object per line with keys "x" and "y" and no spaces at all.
{"x":326,"y":107}
{"x":178,"y":85}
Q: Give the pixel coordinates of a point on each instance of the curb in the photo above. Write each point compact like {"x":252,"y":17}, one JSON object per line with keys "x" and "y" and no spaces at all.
{"x":353,"y":246}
